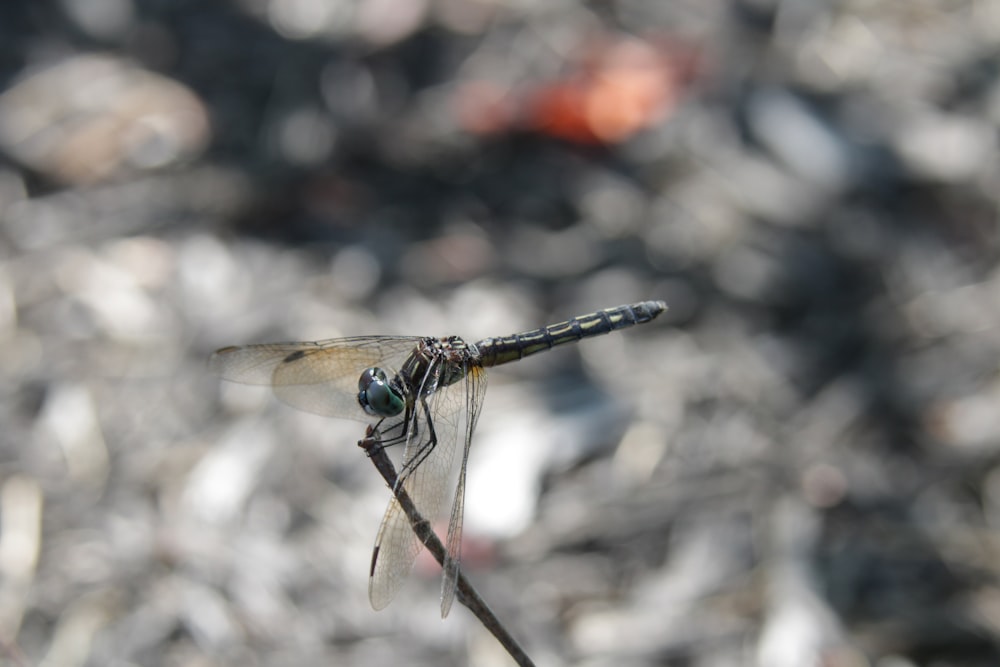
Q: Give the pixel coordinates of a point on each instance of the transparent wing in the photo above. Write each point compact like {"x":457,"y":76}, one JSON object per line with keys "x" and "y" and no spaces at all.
{"x":475,"y":391}
{"x":320,"y":377}
{"x":426,"y":472}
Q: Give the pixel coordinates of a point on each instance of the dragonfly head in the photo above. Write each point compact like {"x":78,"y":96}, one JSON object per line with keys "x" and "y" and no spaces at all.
{"x":376,"y":396}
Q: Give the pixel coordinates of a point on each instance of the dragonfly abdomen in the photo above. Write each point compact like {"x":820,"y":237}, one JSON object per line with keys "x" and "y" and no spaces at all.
{"x":496,"y":351}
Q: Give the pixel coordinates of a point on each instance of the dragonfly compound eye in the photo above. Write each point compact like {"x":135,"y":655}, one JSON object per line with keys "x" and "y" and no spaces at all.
{"x":376,"y":396}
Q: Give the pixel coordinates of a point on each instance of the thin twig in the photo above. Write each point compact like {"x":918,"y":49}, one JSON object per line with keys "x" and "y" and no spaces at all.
{"x":467,"y":594}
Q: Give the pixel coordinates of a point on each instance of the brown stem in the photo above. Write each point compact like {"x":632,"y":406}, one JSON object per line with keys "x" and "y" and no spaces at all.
{"x":467,"y":595}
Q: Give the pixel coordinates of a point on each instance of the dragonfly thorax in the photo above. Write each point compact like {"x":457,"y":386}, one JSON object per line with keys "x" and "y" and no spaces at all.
{"x":376,"y":396}
{"x":456,"y":356}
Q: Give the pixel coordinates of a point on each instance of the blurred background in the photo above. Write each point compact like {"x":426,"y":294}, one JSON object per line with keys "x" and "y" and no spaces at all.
{"x":797,"y":465}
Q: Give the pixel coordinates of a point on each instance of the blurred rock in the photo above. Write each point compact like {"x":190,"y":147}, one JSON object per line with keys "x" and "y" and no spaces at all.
{"x":89,"y":118}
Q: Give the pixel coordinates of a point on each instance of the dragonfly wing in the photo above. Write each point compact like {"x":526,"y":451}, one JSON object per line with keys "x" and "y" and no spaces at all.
{"x":425,"y":473}
{"x":320,"y":377}
{"x":396,"y":547}
{"x":475,"y":391}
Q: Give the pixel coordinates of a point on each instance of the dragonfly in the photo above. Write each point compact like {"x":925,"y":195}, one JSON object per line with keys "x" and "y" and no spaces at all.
{"x":421,"y":392}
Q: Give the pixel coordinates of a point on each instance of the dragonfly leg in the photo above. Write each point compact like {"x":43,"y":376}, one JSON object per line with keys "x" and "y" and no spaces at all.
{"x":423,"y":450}
{"x":372,"y":441}
{"x":397,"y":432}
{"x":376,"y":437}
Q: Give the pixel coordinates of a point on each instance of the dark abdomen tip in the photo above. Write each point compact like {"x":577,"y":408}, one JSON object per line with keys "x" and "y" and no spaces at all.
{"x":649,"y":310}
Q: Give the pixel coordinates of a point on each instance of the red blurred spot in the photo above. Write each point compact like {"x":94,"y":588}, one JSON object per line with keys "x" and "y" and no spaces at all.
{"x":617,"y":86}
{"x":560,"y":110}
